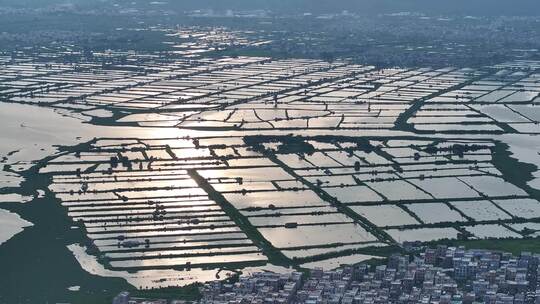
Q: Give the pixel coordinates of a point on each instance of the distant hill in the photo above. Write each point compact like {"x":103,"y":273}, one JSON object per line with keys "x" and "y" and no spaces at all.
{"x":462,"y":7}
{"x":477,"y":7}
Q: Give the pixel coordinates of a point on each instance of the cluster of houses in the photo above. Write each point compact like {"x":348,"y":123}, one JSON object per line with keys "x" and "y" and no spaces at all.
{"x":441,"y":275}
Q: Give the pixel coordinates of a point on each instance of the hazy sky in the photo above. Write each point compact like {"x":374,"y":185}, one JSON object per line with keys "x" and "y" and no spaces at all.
{"x":478,"y":7}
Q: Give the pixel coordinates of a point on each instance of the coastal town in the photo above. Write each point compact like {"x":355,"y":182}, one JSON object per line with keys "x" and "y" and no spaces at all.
{"x":441,"y":275}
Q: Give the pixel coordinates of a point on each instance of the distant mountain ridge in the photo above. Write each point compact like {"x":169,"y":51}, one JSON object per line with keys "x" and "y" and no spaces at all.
{"x":461,"y":7}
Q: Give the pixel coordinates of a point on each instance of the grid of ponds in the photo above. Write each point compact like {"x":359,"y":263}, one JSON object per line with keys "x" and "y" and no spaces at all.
{"x":294,"y":163}
{"x":178,"y":202}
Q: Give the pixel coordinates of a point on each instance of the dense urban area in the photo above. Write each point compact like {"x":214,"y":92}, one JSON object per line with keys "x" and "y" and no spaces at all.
{"x":182,"y":155}
{"x":441,"y":275}
{"x":437,"y":275}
